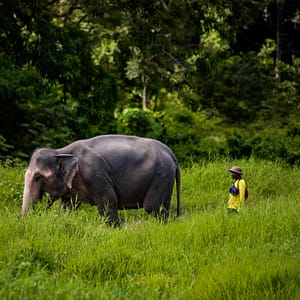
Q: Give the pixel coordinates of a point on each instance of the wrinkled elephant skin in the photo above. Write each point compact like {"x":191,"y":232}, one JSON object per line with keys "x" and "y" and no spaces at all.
{"x":111,"y":171}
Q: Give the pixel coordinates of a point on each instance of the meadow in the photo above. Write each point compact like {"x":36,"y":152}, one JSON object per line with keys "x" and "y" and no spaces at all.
{"x":203,"y":254}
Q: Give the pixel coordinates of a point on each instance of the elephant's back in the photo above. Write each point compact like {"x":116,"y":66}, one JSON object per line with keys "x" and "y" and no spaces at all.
{"x":116,"y":140}
{"x":122,"y":144}
{"x":125,"y":151}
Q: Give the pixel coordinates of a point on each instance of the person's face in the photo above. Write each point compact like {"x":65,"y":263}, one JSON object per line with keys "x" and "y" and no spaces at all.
{"x":235,"y":175}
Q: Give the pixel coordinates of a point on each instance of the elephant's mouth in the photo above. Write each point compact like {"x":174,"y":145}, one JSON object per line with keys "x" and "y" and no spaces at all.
{"x":37,"y":197}
{"x":52,"y":196}
{"x":55,"y":196}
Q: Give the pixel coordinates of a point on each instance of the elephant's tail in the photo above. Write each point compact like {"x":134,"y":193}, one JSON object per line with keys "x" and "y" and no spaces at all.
{"x":177,"y":177}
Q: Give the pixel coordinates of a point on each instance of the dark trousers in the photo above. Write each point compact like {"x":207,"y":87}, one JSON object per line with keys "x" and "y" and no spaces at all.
{"x":231,"y":211}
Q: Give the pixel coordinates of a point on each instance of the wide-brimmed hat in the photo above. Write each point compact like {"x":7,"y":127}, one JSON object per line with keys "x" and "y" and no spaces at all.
{"x":236,"y":169}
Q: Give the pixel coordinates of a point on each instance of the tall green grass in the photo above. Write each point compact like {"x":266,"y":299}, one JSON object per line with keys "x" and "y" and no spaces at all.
{"x":204,"y":254}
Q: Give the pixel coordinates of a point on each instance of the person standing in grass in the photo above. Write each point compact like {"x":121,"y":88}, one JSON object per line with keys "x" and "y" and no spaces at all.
{"x":238,"y":191}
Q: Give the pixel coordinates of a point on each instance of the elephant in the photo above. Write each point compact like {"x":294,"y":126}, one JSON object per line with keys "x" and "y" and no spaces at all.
{"x":112,"y":172}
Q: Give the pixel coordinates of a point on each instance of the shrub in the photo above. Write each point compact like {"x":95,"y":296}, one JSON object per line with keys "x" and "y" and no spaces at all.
{"x":134,"y":121}
{"x":192,"y":135}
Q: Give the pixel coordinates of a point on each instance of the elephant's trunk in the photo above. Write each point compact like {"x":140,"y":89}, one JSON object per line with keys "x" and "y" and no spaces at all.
{"x":28,"y":196}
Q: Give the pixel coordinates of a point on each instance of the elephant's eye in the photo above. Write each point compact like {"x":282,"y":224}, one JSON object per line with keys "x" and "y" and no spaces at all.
{"x":38,"y":177}
{"x":59,"y":175}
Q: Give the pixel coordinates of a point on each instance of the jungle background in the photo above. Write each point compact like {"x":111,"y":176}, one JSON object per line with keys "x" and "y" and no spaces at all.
{"x":208,"y":78}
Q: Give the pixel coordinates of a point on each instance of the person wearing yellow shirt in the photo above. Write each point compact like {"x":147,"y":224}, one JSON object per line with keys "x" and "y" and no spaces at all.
{"x":237,"y":191}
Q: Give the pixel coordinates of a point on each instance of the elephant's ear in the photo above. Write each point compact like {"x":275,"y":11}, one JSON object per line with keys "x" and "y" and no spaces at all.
{"x":68,"y":166}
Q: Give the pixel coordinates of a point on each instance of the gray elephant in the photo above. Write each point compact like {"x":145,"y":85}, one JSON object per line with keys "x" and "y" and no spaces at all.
{"x":112,"y":172}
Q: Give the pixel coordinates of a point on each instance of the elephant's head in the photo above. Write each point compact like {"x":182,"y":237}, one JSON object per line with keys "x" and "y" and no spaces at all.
{"x":48,"y":172}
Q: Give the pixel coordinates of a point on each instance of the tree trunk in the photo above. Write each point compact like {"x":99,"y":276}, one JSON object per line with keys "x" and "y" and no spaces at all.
{"x":144,"y":97}
{"x":280,"y":4}
{"x":145,"y":104}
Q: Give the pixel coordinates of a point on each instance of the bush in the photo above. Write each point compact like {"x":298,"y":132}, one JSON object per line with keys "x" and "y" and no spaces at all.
{"x":134,"y":121}
{"x":192,"y":135}
{"x":269,"y":143}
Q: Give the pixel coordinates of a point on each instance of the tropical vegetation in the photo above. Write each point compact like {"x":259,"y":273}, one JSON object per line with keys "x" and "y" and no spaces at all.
{"x":206,"y":77}
{"x":203,"y":254}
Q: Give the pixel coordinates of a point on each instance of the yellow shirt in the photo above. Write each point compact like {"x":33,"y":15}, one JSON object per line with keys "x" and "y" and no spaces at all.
{"x":236,"y":201}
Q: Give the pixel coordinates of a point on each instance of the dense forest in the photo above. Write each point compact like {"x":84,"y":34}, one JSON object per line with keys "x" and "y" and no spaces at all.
{"x":205,"y":77}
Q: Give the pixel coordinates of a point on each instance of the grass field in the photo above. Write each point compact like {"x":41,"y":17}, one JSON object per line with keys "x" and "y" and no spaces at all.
{"x":204,"y":254}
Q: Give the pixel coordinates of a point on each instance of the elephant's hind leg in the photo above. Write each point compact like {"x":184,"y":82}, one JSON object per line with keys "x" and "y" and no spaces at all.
{"x":157,"y":200}
{"x":108,"y":209}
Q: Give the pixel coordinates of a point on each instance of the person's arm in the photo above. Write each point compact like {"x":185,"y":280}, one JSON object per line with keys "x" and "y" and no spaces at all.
{"x":242,"y":188}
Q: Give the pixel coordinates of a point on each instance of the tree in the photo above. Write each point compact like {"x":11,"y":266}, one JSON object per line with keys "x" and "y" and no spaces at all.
{"x":70,"y":65}
{"x":50,"y":58}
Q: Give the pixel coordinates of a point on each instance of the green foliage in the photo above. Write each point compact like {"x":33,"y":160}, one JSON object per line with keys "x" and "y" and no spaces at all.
{"x":11,"y":185}
{"x":4,"y":147}
{"x":267,"y":143}
{"x":190,"y":134}
{"x":134,"y":121}
{"x":24,"y":94}
{"x":238,"y":87}
{"x":202,"y":255}
{"x":53,"y":93}
{"x":66,"y":67}
{"x":96,"y":106}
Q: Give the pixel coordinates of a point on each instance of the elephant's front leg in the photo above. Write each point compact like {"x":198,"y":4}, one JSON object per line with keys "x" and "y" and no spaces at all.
{"x":108,"y":209}
{"x":70,"y":203}
{"x":50,"y":201}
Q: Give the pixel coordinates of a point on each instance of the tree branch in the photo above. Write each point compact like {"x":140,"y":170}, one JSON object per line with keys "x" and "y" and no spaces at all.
{"x":165,"y":5}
